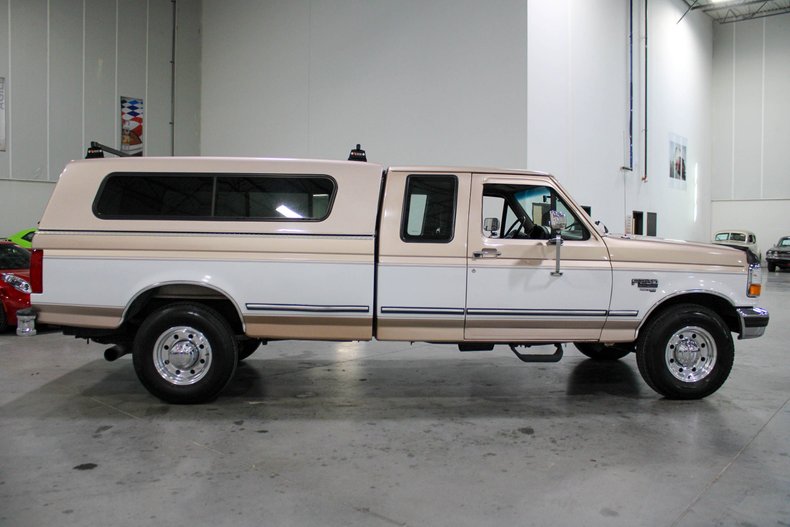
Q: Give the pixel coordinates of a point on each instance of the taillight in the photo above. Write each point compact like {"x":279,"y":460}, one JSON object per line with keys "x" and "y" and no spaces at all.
{"x":37,"y":271}
{"x":754,"y":283}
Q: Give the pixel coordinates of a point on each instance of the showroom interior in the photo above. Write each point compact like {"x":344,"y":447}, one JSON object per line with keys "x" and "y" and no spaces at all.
{"x":599,"y":93}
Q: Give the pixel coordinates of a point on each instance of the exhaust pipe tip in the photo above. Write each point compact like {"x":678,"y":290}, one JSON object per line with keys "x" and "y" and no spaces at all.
{"x":114,"y":353}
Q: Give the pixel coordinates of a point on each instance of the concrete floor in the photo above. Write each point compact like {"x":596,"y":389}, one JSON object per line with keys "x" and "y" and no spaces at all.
{"x":392,"y":434}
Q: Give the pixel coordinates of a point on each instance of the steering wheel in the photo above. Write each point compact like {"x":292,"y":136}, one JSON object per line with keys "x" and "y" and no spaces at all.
{"x":510,"y":233}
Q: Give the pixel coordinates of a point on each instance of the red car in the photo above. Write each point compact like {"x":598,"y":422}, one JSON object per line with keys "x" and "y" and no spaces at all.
{"x":14,"y":282}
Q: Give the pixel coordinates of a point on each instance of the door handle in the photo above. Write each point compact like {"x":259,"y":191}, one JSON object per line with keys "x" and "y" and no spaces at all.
{"x":488,"y":252}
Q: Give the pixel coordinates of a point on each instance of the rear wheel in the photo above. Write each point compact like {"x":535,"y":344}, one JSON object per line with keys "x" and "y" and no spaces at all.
{"x":599,"y":351}
{"x":185,"y":353}
{"x":686,"y":352}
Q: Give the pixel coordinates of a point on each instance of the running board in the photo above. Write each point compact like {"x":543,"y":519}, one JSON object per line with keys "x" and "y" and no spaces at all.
{"x":537,"y":357}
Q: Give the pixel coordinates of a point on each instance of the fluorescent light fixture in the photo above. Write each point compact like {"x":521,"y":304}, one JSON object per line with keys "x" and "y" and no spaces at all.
{"x":288,"y":213}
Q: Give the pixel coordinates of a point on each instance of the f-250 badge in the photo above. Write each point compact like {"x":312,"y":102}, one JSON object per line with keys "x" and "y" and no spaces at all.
{"x":645,"y":284}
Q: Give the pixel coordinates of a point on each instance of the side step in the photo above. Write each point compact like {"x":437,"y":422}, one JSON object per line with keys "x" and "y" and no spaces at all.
{"x":537,"y":357}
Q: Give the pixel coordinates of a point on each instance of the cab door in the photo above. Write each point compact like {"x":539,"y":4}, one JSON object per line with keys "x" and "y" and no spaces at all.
{"x":513,"y":291}
{"x":421,"y":276}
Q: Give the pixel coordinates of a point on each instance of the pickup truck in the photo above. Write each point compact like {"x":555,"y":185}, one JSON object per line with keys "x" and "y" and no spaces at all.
{"x":189,"y":264}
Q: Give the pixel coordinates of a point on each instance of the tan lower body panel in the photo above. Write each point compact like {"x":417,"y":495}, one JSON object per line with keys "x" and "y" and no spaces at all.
{"x":420,"y":329}
{"x":532,"y":330}
{"x":309,"y":327}
{"x":620,"y":330}
{"x":79,"y":316}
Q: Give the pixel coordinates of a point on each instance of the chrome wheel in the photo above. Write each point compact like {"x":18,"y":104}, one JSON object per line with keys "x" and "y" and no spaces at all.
{"x":182,"y":355}
{"x":690,"y":354}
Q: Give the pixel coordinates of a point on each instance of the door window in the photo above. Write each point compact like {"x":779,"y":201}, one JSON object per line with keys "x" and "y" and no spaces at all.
{"x":523,"y":212}
{"x":429,"y":215}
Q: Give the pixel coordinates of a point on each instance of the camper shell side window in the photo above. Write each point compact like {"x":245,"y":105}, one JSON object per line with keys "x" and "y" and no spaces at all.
{"x":222,"y":197}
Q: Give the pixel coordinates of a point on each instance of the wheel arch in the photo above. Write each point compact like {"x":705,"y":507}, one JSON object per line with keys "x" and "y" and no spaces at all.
{"x":157,"y":295}
{"x":719,"y":304}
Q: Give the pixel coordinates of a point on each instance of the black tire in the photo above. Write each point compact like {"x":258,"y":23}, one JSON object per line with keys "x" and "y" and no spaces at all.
{"x":599,"y":351}
{"x":248,"y":347}
{"x":685,"y":352}
{"x":771,"y":267}
{"x":3,"y":320}
{"x":198,"y":366}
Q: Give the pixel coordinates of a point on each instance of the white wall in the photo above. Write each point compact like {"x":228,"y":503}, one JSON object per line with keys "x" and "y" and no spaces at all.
{"x":578,"y":99}
{"x":751,"y":127}
{"x":541,"y":84}
{"x":680,"y":69}
{"x":578,"y":108}
{"x":66,"y":64}
{"x":413,"y":81}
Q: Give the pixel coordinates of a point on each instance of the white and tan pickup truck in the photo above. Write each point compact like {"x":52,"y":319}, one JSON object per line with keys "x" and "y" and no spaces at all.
{"x":191,"y":263}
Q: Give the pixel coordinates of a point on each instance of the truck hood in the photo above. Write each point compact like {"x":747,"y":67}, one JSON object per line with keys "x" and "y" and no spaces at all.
{"x":637,"y":249}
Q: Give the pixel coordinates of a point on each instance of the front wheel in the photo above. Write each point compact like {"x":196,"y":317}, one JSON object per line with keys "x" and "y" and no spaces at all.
{"x":686,"y":352}
{"x":771,"y":267}
{"x":185,"y":353}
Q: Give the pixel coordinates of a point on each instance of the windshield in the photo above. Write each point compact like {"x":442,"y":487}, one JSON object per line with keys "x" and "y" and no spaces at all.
{"x":784,"y":242}
{"x":13,"y":257}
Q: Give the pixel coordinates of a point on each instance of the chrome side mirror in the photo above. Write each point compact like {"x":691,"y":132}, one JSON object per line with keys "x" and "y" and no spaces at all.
{"x":491,"y":225}
{"x":557,"y":222}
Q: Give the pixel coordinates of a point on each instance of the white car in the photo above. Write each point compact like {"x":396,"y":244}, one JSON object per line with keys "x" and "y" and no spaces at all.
{"x":738,"y":239}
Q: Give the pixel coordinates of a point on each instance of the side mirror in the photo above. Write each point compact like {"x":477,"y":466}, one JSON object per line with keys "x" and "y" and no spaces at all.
{"x":491,"y":224}
{"x":557,"y":221}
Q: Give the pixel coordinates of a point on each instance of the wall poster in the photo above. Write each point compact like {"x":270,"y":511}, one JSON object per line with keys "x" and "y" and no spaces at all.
{"x":132,"y":125}
{"x":2,"y":114}
{"x":677,"y":160}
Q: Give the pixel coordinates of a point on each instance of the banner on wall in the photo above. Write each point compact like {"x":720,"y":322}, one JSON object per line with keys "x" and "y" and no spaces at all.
{"x":2,"y":114}
{"x":132,"y":125}
{"x":677,"y":161}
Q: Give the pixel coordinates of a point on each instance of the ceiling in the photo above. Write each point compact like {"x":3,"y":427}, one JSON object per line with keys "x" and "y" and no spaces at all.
{"x":725,"y":11}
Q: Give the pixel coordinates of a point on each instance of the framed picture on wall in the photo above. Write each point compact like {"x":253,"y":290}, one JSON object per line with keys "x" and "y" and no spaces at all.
{"x":677,"y":161}
{"x":132,"y":125}
{"x":677,"y":158}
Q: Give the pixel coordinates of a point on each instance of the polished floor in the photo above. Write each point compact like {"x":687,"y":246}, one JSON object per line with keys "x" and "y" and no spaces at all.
{"x":383,"y":434}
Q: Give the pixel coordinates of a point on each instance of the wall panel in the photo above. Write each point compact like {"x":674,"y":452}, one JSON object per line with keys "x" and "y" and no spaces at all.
{"x":158,"y":140}
{"x":70,"y":61}
{"x":5,"y":156}
{"x":776,"y":154}
{"x":27,"y":88}
{"x":722,"y":102}
{"x":101,"y":121}
{"x":65,"y":84}
{"x":752,"y":127}
{"x":748,"y":111}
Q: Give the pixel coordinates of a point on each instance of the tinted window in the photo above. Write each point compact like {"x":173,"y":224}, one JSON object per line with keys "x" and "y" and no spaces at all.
{"x":214,"y":196}
{"x":429,"y":209}
{"x":13,"y":257}
{"x":273,"y":197}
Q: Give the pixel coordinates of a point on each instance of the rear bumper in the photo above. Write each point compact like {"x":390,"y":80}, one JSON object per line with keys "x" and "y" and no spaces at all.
{"x":753,"y":321}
